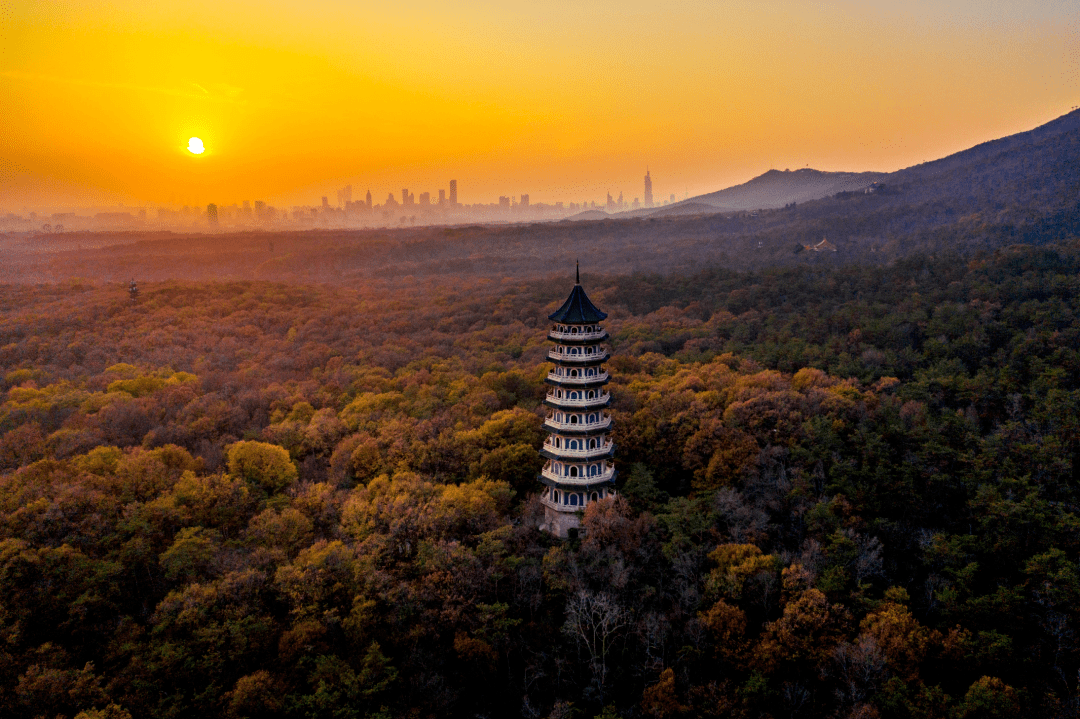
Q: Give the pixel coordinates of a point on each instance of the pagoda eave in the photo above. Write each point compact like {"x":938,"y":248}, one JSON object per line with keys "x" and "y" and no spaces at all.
{"x":575,"y":432}
{"x":582,"y":483}
{"x":590,"y":457}
{"x":577,"y":362}
{"x":576,"y":385}
{"x":564,"y":339}
{"x":599,"y":404}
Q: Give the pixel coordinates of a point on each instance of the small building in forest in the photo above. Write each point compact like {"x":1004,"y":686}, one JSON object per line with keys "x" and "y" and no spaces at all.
{"x":823,"y":246}
{"x":578,"y":452}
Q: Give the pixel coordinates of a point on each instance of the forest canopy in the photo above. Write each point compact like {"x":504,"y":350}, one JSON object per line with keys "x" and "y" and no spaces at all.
{"x":845,"y":491}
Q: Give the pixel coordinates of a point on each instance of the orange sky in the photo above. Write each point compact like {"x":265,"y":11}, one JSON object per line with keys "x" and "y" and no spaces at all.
{"x":562,"y":100}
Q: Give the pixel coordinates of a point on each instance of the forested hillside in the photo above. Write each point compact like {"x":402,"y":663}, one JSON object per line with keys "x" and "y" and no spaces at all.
{"x":846,"y":492}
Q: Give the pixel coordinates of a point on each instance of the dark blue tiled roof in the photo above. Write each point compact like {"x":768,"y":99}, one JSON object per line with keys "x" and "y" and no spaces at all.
{"x":577,"y":309}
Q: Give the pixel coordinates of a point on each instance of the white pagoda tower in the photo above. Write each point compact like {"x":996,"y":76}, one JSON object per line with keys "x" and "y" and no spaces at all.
{"x":578,"y":449}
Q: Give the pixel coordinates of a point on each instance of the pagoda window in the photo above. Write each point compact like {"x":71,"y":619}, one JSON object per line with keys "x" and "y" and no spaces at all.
{"x":573,"y":330}
{"x":573,"y":500}
{"x":592,"y":444}
{"x":593,"y":470}
{"x":555,"y":495}
{"x":573,"y":373}
{"x":591,"y":394}
{"x":573,"y":419}
{"x":574,"y":395}
{"x":594,"y":497}
{"x":573,"y":471}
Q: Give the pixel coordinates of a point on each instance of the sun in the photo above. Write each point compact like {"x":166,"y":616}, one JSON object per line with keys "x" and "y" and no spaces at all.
{"x":195,"y":146}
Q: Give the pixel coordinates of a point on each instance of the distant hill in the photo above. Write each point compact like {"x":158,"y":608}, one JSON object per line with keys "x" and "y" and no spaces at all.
{"x":1038,"y":170}
{"x":779,"y":188}
{"x":588,"y":215}
{"x":689,"y":207}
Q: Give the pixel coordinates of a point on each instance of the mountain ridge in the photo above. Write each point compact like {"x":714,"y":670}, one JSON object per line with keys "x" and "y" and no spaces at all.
{"x":778,"y":188}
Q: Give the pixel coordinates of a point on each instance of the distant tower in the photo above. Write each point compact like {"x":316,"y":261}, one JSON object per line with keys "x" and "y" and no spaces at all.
{"x":578,"y":449}
{"x":369,"y":199}
{"x":453,"y":193}
{"x":133,"y":292}
{"x":211,"y":214}
{"x":442,"y":197}
{"x":648,"y":189}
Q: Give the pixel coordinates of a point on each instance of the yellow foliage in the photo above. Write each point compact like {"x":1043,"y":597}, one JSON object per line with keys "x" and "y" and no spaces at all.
{"x":900,"y":637}
{"x":369,"y":406}
{"x":806,"y":633}
{"x":410,"y":508}
{"x":810,"y":377}
{"x":726,"y":625}
{"x":736,"y":564}
{"x":54,"y":396}
{"x":138,"y":387}
{"x":266,"y":465}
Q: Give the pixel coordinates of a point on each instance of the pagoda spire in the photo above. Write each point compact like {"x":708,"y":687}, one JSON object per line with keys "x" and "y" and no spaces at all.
{"x":578,"y":469}
{"x":577,"y":272}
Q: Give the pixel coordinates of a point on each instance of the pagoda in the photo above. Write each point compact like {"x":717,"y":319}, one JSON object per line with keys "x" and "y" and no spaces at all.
{"x":578,"y":449}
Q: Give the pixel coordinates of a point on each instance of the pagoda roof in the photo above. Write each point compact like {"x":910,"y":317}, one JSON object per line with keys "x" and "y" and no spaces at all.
{"x":578,"y":309}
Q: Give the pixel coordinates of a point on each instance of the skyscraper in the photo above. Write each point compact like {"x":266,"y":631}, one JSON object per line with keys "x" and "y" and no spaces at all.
{"x":442,"y":197}
{"x":453,"y":193}
{"x":369,"y":199}
{"x":648,"y":189}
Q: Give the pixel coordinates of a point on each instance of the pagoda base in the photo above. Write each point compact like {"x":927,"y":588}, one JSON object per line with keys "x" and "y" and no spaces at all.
{"x":559,"y":523}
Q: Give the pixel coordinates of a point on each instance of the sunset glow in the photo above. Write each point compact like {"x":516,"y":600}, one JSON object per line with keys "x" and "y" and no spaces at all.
{"x":562,"y":100}
{"x":195,"y":146}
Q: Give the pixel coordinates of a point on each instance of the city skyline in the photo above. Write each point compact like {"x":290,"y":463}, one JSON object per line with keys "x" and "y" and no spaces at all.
{"x":102,"y":101}
{"x":408,"y":198}
{"x":344,"y":212}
